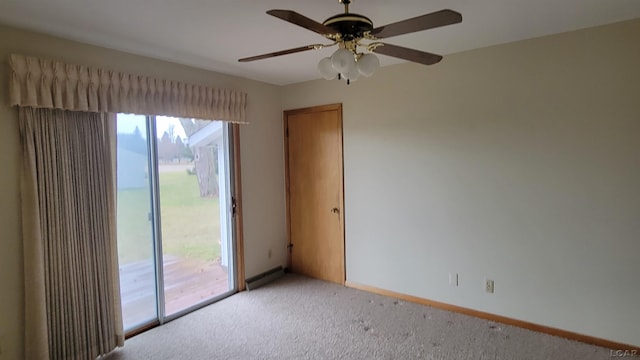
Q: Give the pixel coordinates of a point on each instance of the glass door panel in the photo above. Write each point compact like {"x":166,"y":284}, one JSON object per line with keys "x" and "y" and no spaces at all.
{"x":194,"y":209}
{"x":175,"y":242}
{"x":134,"y":223}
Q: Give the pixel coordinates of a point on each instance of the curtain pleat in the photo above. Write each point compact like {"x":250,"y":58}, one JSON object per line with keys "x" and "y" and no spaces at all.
{"x":72,"y":295}
{"x":43,"y":83}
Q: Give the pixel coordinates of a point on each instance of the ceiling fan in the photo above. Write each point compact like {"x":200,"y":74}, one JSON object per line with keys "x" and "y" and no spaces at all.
{"x":352,"y":32}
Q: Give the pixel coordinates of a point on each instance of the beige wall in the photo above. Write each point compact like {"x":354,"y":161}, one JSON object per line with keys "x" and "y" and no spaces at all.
{"x":261,"y":150}
{"x":519,"y":162}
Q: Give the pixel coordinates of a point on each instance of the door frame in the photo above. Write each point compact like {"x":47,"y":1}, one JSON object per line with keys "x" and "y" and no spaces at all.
{"x":237,"y":206}
{"x":285,"y":128}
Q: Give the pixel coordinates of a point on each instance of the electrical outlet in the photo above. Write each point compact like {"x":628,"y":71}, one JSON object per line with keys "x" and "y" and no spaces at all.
{"x":488,"y":286}
{"x":453,"y":279}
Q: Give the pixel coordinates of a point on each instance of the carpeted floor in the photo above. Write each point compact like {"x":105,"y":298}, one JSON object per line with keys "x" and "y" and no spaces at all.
{"x":301,"y":318}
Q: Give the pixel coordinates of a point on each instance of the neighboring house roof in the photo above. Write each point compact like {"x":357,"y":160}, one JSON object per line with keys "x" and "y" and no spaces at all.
{"x":208,"y":135}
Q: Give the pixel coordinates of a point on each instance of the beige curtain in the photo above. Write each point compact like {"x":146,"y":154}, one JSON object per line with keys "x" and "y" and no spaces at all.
{"x":72,"y":299}
{"x":43,"y":83}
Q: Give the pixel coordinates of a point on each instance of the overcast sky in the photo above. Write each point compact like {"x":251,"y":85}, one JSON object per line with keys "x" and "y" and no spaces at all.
{"x":127,"y":124}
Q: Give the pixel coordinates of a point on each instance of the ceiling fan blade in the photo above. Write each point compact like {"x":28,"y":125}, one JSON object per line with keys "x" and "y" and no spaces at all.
{"x":424,"y":22}
{"x":301,"y":20}
{"x":279,"y":53}
{"x":408,"y":54}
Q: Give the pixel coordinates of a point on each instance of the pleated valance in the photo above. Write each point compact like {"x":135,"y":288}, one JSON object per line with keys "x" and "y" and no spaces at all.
{"x":42,"y":83}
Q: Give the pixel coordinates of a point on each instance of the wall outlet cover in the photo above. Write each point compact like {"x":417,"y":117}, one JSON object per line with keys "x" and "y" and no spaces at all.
{"x":488,"y":287}
{"x":453,"y":279}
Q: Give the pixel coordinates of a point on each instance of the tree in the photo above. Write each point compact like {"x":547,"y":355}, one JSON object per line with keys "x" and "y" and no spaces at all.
{"x":178,"y":149}
{"x":133,"y":142}
{"x":137,"y":133}
{"x":172,"y":133}
{"x":165,"y":148}
{"x":204,"y":159}
{"x":187,"y":153}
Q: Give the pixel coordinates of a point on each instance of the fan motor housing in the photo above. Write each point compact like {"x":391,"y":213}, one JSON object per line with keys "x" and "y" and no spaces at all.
{"x":350,"y":26}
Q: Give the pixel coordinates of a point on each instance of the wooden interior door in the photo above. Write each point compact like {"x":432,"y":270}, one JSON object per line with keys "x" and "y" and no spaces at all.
{"x":314,"y":169}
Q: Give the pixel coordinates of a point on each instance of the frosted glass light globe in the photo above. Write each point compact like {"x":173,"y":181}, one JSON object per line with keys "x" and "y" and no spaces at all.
{"x":353,"y":74}
{"x":326,"y":69}
{"x":342,"y":60}
{"x":368,"y":64}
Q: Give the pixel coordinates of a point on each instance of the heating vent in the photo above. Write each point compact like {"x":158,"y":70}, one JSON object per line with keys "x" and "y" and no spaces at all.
{"x":264,"y":278}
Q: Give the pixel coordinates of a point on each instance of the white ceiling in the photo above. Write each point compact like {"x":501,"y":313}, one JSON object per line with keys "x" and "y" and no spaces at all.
{"x":213,"y":34}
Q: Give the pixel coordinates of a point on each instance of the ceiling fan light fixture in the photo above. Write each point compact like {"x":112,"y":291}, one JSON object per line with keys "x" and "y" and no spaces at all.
{"x":343,"y":60}
{"x":368,"y":64}
{"x":326,"y":69}
{"x":352,"y":75}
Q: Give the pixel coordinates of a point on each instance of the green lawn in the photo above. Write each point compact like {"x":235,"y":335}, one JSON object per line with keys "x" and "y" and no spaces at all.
{"x":190,"y":224}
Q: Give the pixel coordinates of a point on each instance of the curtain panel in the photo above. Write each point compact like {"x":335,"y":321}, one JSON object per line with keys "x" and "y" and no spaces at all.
{"x":42,"y":83}
{"x":72,"y":293}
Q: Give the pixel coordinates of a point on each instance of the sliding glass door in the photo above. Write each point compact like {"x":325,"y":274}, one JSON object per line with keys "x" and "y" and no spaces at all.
{"x":174,"y":216}
{"x":136,"y":249}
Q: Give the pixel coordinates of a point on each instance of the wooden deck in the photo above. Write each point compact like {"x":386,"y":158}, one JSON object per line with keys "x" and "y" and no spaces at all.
{"x":187,"y":282}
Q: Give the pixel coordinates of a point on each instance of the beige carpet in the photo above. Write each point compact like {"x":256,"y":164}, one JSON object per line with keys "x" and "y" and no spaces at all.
{"x":300,"y":318}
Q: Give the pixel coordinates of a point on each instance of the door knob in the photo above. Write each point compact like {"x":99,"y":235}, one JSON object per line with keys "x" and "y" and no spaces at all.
{"x":335,"y":211}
